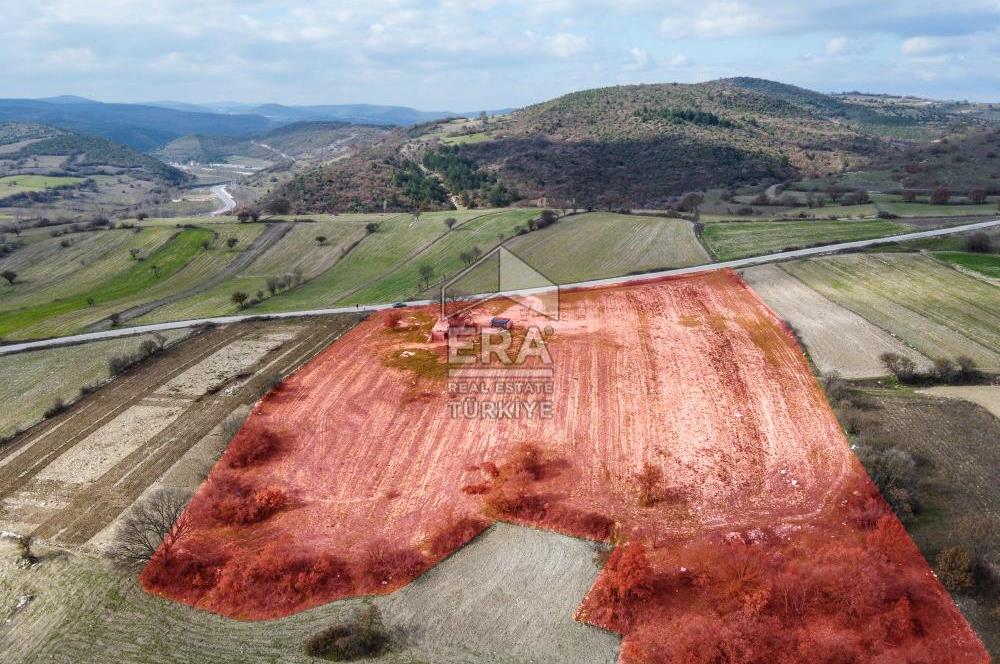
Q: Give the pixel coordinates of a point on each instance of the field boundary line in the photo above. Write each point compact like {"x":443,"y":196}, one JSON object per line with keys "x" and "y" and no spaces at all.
{"x":21,"y":347}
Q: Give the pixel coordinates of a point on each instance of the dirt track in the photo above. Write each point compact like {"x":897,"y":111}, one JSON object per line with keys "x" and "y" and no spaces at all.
{"x":271,"y":235}
{"x":83,"y":510}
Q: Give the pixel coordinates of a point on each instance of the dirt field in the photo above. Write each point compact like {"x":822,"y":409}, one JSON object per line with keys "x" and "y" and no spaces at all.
{"x":987,"y":396}
{"x":837,"y":338}
{"x":516,"y":588}
{"x":357,"y":476}
{"x":70,"y":477}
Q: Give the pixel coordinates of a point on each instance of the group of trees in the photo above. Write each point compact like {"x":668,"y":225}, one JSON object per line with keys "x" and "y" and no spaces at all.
{"x":962,"y":370}
{"x":682,"y":116}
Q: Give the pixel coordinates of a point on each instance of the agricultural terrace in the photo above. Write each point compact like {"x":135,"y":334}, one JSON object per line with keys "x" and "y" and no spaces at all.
{"x":686,"y":424}
{"x":119,"y":278}
{"x":740,"y":239}
{"x":34,"y":382}
{"x":934,"y":309}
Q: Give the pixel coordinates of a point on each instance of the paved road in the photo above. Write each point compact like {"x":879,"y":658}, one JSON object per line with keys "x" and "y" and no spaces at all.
{"x":225,"y":199}
{"x":742,"y":262}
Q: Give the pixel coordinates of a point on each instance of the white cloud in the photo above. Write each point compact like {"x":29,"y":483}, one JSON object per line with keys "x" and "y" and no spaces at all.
{"x":640,"y":60}
{"x":837,"y":45}
{"x":924,"y":46}
{"x":566,"y":45}
{"x":80,"y":59}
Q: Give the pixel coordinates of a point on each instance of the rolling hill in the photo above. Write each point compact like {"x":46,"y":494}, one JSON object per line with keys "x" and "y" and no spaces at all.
{"x":639,"y":146}
{"x":142,"y":128}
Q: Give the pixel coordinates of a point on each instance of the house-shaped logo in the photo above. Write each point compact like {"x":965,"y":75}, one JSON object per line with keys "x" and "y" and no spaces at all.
{"x":500,"y":273}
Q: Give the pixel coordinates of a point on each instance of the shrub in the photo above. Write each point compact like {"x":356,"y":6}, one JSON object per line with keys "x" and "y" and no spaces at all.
{"x":650,"y":483}
{"x":455,"y":536}
{"x":185,"y":574}
{"x":363,"y":637}
{"x":515,"y":502}
{"x":58,"y":406}
{"x":253,"y":448}
{"x":954,"y":568}
{"x":283,"y":579}
{"x":233,"y":503}
{"x":386,"y":566}
{"x":392,"y":319}
{"x":904,"y":368}
{"x":940,"y":196}
{"x":629,"y":574}
{"x":979,"y":242}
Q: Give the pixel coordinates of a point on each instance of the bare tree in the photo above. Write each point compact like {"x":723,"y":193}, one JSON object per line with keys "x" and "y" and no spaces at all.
{"x":157,"y":521}
{"x":450,"y":222}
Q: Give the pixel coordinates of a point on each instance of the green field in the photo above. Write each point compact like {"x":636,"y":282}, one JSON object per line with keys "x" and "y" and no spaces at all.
{"x":730,"y":240}
{"x":142,"y":275}
{"x":903,"y":209}
{"x":930,"y":307}
{"x":19,"y":184}
{"x":986,"y":264}
{"x":598,"y":244}
{"x":297,"y":250}
{"x":401,"y":239}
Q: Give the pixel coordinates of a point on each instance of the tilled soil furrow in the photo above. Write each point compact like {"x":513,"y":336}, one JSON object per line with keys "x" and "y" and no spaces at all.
{"x":98,"y":504}
{"x":98,"y":410}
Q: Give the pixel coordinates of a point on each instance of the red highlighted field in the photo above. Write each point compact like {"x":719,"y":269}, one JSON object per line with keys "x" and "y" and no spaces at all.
{"x":685,"y":423}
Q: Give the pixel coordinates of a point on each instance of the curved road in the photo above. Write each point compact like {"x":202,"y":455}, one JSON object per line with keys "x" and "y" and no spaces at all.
{"x":225,"y":199}
{"x":708,"y":267}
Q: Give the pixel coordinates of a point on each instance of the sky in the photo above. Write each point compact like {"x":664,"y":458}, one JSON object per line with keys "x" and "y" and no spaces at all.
{"x":487,"y":54}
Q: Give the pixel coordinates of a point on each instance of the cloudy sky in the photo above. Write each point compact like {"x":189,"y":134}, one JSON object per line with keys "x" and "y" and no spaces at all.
{"x":475,"y":54}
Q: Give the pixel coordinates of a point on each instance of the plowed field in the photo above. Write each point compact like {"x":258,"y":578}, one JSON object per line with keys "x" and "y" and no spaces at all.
{"x":355,"y":476}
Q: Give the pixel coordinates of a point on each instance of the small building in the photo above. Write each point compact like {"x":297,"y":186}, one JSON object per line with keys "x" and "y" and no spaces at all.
{"x":445,"y":328}
{"x":501,"y":323}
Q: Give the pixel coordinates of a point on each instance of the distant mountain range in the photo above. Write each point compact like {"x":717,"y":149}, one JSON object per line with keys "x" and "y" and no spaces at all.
{"x":151,"y":125}
{"x":353,"y":113}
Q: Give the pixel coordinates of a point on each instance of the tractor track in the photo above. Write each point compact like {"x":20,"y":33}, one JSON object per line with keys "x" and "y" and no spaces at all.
{"x":30,"y":453}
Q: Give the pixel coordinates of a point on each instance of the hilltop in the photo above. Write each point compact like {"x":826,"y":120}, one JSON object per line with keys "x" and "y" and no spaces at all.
{"x":641,"y":145}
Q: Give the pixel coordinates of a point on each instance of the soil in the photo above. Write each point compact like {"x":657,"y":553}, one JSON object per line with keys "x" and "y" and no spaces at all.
{"x":357,"y":475}
{"x":71,"y":476}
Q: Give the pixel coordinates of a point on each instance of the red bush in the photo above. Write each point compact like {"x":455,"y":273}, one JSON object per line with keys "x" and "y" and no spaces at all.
{"x":526,"y":458}
{"x":236,"y":504}
{"x":391,"y":320}
{"x":629,"y":576}
{"x":183,"y":573}
{"x":579,"y":523}
{"x":249,"y":448}
{"x":510,"y":501}
{"x":477,"y":489}
{"x":386,"y":567}
{"x":455,"y":536}
{"x":282,"y":580}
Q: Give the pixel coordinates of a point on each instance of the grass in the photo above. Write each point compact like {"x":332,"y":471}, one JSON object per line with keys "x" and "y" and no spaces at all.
{"x":917,"y":209}
{"x":33,"y":381}
{"x":158,"y":267}
{"x":17,"y":184}
{"x":930,"y":307}
{"x":731,"y":240}
{"x":400,"y":244}
{"x":467,"y":139}
{"x":297,"y":250}
{"x":986,"y":264}
{"x":597,"y":245}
